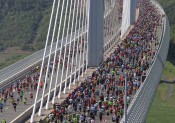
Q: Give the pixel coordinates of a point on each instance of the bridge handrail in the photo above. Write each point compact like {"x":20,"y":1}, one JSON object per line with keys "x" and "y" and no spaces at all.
{"x":140,"y":105}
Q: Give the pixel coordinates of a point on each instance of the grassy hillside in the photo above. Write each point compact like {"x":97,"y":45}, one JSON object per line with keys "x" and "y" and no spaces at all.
{"x":163,"y":107}
{"x":23,"y":26}
{"x":22,"y":22}
{"x":169,"y":7}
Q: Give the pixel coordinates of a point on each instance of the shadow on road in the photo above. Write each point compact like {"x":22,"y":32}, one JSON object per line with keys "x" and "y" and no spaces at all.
{"x":167,"y":82}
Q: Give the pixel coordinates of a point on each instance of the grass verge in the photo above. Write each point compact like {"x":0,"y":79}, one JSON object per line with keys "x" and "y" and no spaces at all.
{"x":7,"y":59}
{"x":163,"y":106}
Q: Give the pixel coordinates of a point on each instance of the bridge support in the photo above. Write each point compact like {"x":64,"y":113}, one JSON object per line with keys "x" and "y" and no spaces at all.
{"x":128,"y":15}
{"x":133,"y":11}
{"x":95,"y":32}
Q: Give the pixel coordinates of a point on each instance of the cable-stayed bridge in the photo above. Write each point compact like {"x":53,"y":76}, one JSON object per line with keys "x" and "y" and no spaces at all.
{"x":82,"y":35}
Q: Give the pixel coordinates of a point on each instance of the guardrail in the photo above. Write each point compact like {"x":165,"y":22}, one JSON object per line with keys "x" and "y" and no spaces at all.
{"x":140,"y":105}
{"x":24,"y":67}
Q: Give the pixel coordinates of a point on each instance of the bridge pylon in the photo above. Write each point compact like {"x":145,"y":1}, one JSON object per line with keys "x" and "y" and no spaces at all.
{"x":128,"y":15}
{"x":95,"y":32}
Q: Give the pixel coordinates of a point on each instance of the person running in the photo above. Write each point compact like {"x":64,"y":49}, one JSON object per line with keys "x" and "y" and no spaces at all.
{"x":40,"y":121}
{"x":113,"y":118}
{"x":25,"y":100}
{"x":31,"y":96}
{"x":1,"y":106}
{"x":17,"y":99}
{"x":1,"y":99}
{"x":21,"y":94}
{"x":41,"y":85}
{"x":100,"y":115}
{"x":14,"y":106}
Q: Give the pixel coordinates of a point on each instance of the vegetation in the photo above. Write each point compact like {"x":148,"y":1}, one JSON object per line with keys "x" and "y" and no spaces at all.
{"x":163,"y":107}
{"x":23,"y":23}
{"x":169,"y":71}
{"x":7,"y":59}
{"x":169,"y":7}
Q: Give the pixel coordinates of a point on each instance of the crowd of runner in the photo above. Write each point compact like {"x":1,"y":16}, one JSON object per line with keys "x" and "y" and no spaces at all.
{"x":100,"y":98}
{"x":16,"y":93}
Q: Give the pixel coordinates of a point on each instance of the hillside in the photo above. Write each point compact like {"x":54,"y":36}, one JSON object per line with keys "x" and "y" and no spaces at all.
{"x":169,"y":6}
{"x":24,"y":23}
{"x":23,"y":28}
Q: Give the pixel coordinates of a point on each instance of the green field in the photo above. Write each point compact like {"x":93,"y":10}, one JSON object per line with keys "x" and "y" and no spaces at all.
{"x":169,"y":71}
{"x":7,"y":59}
{"x":12,"y":55}
{"x":163,"y":107}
